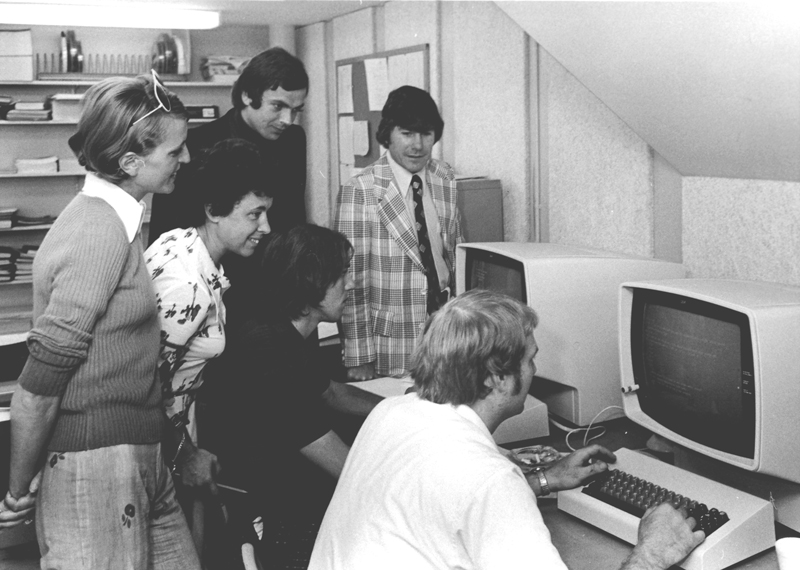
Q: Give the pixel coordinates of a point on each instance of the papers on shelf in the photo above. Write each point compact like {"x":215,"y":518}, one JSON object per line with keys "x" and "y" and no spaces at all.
{"x":36,"y":165}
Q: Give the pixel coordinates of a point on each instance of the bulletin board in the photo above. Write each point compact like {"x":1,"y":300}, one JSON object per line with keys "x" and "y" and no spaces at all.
{"x":362,"y":86}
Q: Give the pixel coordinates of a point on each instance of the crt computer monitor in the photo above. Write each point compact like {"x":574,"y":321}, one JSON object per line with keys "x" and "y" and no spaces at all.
{"x":575,"y":291}
{"x":714,"y":365}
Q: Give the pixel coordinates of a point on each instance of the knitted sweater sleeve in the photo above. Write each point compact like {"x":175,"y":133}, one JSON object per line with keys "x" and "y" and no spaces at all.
{"x":80,"y":263}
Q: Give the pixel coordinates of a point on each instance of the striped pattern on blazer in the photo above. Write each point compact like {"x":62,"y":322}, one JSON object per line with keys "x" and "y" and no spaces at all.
{"x":386,"y":309}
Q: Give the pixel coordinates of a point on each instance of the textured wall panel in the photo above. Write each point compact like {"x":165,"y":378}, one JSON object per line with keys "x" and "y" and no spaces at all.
{"x":490,"y":106}
{"x":599,"y":172}
{"x":742,"y":229}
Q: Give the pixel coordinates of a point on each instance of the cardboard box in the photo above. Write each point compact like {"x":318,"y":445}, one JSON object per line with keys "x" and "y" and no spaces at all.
{"x":16,"y":68}
{"x":16,"y":55}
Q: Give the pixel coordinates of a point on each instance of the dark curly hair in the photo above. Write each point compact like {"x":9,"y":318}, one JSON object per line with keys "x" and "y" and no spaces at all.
{"x":224,"y":174}
{"x":409,"y":108}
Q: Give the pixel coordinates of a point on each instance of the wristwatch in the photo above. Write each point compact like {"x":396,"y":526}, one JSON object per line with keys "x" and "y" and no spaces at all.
{"x":543,"y":485}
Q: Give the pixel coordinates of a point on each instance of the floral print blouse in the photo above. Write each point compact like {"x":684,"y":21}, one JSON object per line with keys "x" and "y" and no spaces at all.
{"x":189,"y":288}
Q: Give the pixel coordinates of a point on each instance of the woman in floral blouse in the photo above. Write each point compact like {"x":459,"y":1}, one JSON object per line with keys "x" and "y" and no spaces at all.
{"x":189,"y":281}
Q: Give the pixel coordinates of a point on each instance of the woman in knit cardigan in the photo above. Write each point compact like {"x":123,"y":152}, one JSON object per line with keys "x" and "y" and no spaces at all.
{"x":87,"y":415}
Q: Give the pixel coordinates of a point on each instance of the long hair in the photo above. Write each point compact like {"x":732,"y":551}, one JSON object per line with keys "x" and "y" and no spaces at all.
{"x":474,"y":336}
{"x":297,"y":268}
{"x":106,"y":129}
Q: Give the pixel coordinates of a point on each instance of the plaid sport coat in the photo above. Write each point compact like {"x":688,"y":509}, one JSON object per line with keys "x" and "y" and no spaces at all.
{"x":386,"y":310}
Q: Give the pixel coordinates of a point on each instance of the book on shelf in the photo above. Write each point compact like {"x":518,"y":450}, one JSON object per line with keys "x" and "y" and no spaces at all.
{"x":42,"y":165}
{"x":31,"y":105}
{"x":28,"y":115}
{"x":34,"y":220}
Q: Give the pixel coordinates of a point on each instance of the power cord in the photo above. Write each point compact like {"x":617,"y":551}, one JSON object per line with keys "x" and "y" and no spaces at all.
{"x":587,"y":429}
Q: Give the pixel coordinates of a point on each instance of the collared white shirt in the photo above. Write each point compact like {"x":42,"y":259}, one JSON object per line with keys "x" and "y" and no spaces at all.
{"x":127,"y":208}
{"x":403,"y":179}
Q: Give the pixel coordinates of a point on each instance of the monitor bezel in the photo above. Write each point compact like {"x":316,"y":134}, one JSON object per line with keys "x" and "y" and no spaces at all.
{"x":630,"y":399}
{"x":745,"y":446}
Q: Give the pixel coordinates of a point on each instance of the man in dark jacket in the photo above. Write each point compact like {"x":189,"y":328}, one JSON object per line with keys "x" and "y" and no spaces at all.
{"x":267,"y":97}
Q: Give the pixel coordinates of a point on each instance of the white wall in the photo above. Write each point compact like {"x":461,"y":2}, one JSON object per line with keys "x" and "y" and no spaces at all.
{"x":598,"y":173}
{"x":316,"y":122}
{"x":489,"y":105}
{"x":742,"y":229}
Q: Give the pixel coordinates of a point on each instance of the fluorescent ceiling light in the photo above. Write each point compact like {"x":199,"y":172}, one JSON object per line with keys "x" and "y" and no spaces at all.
{"x":120,"y":16}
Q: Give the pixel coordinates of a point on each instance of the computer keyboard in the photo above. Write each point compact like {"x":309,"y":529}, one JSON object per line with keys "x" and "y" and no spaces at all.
{"x":737,"y":525}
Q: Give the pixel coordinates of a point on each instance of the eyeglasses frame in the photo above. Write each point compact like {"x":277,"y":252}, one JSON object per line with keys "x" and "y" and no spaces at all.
{"x":167,"y":107}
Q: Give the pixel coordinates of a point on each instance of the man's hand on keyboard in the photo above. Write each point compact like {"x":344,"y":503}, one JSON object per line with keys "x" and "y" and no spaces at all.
{"x":665,"y":538}
{"x":577,"y":467}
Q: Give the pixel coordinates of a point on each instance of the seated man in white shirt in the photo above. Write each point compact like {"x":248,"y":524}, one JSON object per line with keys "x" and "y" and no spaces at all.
{"x":425,"y":486}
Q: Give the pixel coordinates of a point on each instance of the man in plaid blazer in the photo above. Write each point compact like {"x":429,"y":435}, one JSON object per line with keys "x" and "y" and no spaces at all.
{"x":375,"y":210}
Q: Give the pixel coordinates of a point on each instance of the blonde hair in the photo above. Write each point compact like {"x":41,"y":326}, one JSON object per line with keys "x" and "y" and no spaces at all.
{"x":106,"y":129}
{"x":474,"y":336}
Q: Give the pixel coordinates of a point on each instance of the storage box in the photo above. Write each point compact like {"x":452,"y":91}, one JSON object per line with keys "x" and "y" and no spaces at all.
{"x":16,"y":55}
{"x":66,"y":106}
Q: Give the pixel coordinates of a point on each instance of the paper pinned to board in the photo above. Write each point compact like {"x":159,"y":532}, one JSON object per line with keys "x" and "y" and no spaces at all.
{"x":361,"y":138}
{"x":344,"y":78}
{"x":346,"y":139}
{"x":377,"y":82}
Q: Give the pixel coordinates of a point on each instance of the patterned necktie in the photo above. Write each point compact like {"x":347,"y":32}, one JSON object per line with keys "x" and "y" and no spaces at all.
{"x":425,"y":246}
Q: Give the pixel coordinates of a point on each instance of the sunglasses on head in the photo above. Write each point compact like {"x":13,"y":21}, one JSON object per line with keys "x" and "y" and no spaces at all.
{"x":162,"y":104}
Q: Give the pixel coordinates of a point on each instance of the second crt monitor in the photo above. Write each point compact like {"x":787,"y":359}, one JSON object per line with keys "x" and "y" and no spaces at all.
{"x":575,"y":292}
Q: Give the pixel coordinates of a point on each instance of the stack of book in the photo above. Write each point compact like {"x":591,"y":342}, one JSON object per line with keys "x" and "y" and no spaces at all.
{"x":24,"y":263}
{"x":17,"y":264}
{"x":36,"y":165}
{"x":8,"y":263}
{"x":24,"y":221}
{"x":30,"y":111}
{"x":7,"y":217}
